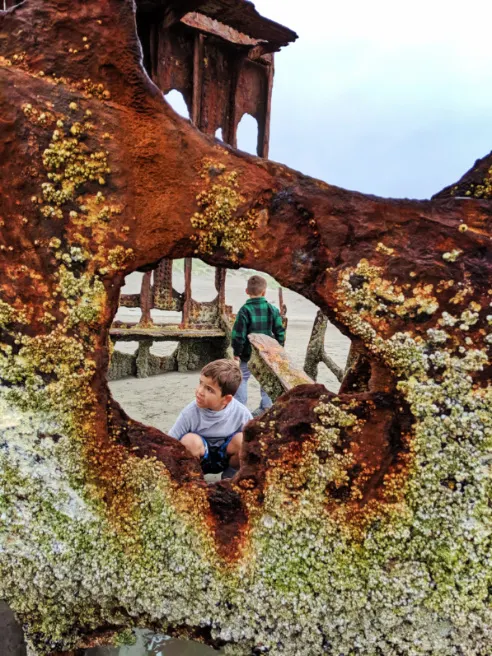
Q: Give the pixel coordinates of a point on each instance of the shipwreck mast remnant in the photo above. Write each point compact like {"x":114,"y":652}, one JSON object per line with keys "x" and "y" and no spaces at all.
{"x":221,"y":60}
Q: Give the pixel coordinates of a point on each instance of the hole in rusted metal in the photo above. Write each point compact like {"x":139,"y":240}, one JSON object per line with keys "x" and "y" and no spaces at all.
{"x":247,"y":134}
{"x":176,"y":100}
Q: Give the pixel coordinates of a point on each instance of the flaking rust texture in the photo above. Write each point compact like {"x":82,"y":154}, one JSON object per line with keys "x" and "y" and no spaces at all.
{"x":358,"y":523}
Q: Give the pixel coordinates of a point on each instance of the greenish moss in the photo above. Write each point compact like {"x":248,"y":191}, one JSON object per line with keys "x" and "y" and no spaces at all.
{"x":125,"y":637}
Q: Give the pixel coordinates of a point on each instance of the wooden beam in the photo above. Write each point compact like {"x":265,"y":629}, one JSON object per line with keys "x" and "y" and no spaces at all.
{"x":272,"y":366}
{"x":264,"y":127}
{"x":196,"y":102}
{"x":146,"y":300}
{"x":185,"y":322}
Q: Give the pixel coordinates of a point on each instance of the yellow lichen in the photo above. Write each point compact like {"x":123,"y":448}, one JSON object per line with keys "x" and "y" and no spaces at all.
{"x":386,"y":250}
{"x":10,"y":314}
{"x":217,"y":222}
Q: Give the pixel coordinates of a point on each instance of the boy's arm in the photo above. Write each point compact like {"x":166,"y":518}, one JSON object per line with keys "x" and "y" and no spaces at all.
{"x":278,"y":328}
{"x":181,"y":426}
{"x":239,"y":333}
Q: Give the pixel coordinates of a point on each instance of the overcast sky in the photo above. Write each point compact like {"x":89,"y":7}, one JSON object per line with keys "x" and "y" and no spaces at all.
{"x":383,"y":96}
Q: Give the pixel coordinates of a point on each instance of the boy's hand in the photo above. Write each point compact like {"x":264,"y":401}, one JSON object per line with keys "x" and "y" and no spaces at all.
{"x":236,"y":358}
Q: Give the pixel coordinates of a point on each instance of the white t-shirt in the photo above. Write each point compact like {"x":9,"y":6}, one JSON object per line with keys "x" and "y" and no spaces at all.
{"x":211,"y":423}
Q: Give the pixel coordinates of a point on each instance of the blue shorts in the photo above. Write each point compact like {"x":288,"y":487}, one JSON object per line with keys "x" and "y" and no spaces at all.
{"x":215,"y":458}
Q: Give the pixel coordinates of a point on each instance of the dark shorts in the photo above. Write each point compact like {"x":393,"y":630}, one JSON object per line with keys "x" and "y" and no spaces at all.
{"x":215,"y":459}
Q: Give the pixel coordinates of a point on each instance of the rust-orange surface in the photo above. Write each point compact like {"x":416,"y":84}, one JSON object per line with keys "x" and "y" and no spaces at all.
{"x":99,"y":177}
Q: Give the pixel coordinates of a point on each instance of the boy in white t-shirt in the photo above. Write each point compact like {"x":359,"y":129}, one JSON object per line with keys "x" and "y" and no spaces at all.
{"x":211,"y":427}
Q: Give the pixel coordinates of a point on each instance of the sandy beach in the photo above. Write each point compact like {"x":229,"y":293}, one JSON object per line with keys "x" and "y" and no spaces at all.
{"x":159,"y":399}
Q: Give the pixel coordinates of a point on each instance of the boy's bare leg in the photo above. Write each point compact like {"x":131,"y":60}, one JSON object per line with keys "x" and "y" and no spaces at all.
{"x":194,"y":444}
{"x":233,"y":449}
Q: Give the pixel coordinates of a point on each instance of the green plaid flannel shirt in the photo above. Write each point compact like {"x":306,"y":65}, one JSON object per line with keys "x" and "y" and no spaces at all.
{"x":257,"y":315}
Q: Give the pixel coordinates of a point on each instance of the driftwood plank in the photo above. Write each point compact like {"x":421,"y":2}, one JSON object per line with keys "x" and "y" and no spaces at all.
{"x":272,"y":366}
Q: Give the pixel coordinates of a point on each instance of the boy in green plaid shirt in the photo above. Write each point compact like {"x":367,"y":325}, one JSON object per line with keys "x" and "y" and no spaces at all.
{"x":257,"y":315}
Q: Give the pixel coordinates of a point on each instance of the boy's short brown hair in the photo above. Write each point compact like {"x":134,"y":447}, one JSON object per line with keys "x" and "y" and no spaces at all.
{"x":225,"y":373}
{"x":256,"y":285}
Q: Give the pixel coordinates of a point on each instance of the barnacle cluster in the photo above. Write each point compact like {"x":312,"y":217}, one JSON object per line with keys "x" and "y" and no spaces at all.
{"x":451,"y":256}
{"x":18,"y":59}
{"x":333,"y":465}
{"x":87,"y":86}
{"x":45,"y":371}
{"x":386,"y":250}
{"x":118,"y":257}
{"x":84,"y":295}
{"x":482,"y":189}
{"x":37,"y":117}
{"x":217,"y":222}
{"x":10,"y":314}
{"x":70,"y":164}
{"x":94,"y":90}
{"x":374,"y":298}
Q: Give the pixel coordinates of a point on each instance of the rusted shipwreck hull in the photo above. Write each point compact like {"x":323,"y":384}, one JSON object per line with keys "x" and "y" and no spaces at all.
{"x":358,"y":522}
